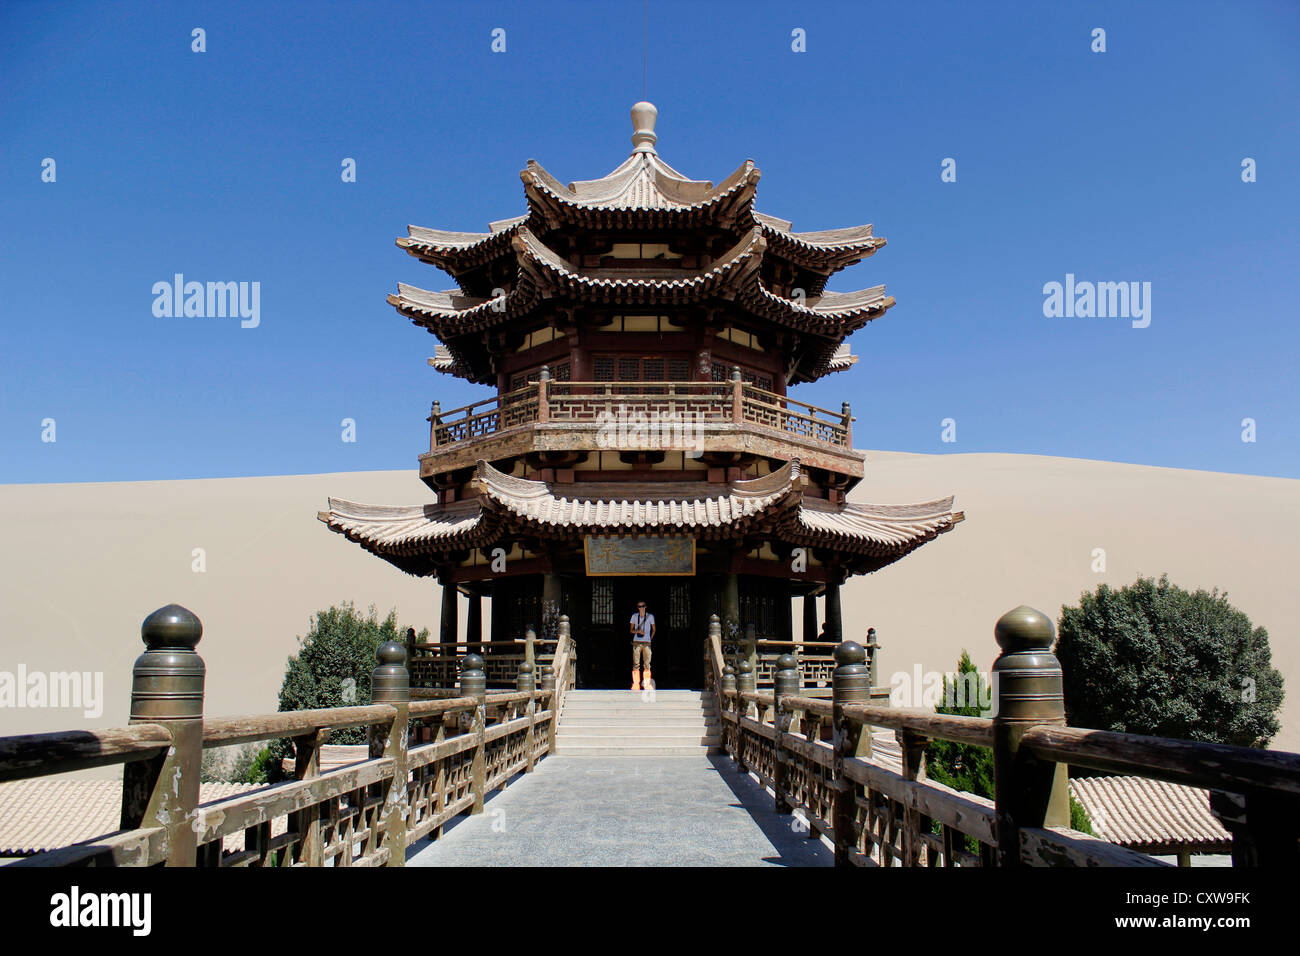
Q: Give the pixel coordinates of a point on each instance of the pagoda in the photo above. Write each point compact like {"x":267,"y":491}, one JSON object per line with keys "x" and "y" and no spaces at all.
{"x":641,"y":333}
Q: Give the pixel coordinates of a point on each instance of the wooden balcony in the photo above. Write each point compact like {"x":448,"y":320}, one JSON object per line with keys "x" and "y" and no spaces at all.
{"x":631,"y":416}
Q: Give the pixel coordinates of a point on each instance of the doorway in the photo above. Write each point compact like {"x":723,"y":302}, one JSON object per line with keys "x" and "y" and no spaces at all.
{"x":605,"y":644}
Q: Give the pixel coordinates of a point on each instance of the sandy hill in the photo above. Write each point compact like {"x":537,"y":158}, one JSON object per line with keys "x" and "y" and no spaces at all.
{"x":84,"y":563}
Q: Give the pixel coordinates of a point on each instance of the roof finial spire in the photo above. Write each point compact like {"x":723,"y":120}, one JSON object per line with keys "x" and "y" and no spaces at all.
{"x":643,"y":127}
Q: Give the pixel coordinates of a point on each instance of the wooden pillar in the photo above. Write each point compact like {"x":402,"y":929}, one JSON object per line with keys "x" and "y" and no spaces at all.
{"x":809,"y":617}
{"x":447,"y":621}
{"x":731,"y":608}
{"x":1029,"y":691}
{"x":834,"y":620}
{"x":550,"y":606}
{"x":474,"y":621}
{"x":167,"y":689}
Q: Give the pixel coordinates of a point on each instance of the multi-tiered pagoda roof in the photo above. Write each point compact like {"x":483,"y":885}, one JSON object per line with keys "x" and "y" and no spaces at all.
{"x":732,"y":307}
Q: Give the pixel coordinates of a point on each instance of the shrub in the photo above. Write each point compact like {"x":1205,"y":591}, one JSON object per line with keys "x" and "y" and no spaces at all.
{"x":1154,"y":659}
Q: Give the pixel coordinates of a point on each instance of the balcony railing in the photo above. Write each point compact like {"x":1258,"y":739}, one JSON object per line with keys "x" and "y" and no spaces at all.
{"x":664,"y":402}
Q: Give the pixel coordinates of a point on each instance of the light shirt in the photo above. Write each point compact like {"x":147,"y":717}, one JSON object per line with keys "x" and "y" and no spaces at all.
{"x":643,"y":628}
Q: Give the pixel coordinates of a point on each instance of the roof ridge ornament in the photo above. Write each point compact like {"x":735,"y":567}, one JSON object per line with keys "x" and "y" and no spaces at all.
{"x":643,"y":127}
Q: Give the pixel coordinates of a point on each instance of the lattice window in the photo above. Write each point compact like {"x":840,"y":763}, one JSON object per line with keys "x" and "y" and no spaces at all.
{"x":603,"y":370}
{"x":629,"y":370}
{"x":722,"y":373}
{"x":679,"y":370}
{"x":559,"y":373}
{"x":679,"y":606}
{"x":602,"y":602}
{"x":759,"y":608}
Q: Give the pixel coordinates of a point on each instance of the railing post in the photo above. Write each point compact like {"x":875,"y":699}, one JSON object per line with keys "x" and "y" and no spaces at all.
{"x":847,"y":417}
{"x":747,"y":683}
{"x":530,"y":647}
{"x":849,"y":685}
{"x":307,"y":821}
{"x":1028,"y":690}
{"x":873,"y":649}
{"x":435,"y":415}
{"x":785,"y":683}
{"x":737,"y":396}
{"x":912,"y":745}
{"x":553,"y":703}
{"x":390,"y":683}
{"x":543,"y":394}
{"x":167,"y":689}
{"x":524,"y":684}
{"x":751,"y":647}
{"x":473,"y":683}
{"x":728,"y":696}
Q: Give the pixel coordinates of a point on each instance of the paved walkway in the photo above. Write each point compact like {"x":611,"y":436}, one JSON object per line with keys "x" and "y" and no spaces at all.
{"x":627,"y":811}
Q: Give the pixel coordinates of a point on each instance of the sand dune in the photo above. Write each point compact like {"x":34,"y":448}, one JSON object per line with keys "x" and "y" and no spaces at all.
{"x":83,"y":564}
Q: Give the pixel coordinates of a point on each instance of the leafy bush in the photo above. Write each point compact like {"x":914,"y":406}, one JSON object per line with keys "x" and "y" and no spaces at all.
{"x":1154,"y":659}
{"x":332,"y":669}
{"x":965,"y":766}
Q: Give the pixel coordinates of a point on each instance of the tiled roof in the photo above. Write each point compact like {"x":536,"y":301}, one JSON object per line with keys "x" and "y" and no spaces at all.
{"x":47,"y":813}
{"x":506,"y":504}
{"x":1150,"y":815}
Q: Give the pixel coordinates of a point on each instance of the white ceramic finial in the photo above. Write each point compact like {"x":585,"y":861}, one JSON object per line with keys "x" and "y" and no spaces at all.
{"x":643,"y":125}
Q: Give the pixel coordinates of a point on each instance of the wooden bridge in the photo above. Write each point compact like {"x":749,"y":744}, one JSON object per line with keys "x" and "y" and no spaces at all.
{"x":795,"y":768}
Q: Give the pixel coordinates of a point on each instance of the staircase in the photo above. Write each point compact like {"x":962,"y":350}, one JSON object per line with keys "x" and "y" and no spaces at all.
{"x":604,"y":723}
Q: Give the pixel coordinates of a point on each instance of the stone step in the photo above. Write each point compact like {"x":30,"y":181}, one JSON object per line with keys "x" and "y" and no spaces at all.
{"x":628,"y":741}
{"x":667,"y":693}
{"x":635,"y":720}
{"x":633,"y":706}
{"x":572,"y":750}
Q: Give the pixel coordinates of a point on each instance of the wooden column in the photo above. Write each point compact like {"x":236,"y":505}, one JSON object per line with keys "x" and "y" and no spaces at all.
{"x":474,"y":621}
{"x":809,"y":617}
{"x":550,"y":621}
{"x":731,"y":608}
{"x":447,"y":621}
{"x":834,"y":620}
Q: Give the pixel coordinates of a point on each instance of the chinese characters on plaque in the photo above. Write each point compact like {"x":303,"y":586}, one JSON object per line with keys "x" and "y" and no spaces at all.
{"x":625,"y":554}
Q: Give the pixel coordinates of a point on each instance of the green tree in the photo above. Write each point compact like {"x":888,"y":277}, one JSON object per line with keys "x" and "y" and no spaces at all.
{"x":962,"y":766}
{"x":1154,"y":659}
{"x":332,"y":669}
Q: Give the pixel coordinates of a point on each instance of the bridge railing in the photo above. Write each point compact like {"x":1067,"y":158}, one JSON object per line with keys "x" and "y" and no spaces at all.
{"x":430,"y":760}
{"x":878,"y":816}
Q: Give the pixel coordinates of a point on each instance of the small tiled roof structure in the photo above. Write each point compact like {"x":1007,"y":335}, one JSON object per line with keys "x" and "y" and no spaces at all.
{"x":1151,"y":816}
{"x":414,"y":537}
{"x":47,"y":813}
{"x":512,"y":276}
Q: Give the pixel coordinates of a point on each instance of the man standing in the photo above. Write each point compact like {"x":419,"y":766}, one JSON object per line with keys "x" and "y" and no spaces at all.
{"x":642,"y":627}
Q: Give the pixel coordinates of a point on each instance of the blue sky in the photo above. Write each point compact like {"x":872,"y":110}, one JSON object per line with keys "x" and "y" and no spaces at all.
{"x":225,"y":165}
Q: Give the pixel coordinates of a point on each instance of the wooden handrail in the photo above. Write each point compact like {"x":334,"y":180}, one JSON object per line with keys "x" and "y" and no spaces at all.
{"x":36,"y":755}
{"x":1188,"y":762}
